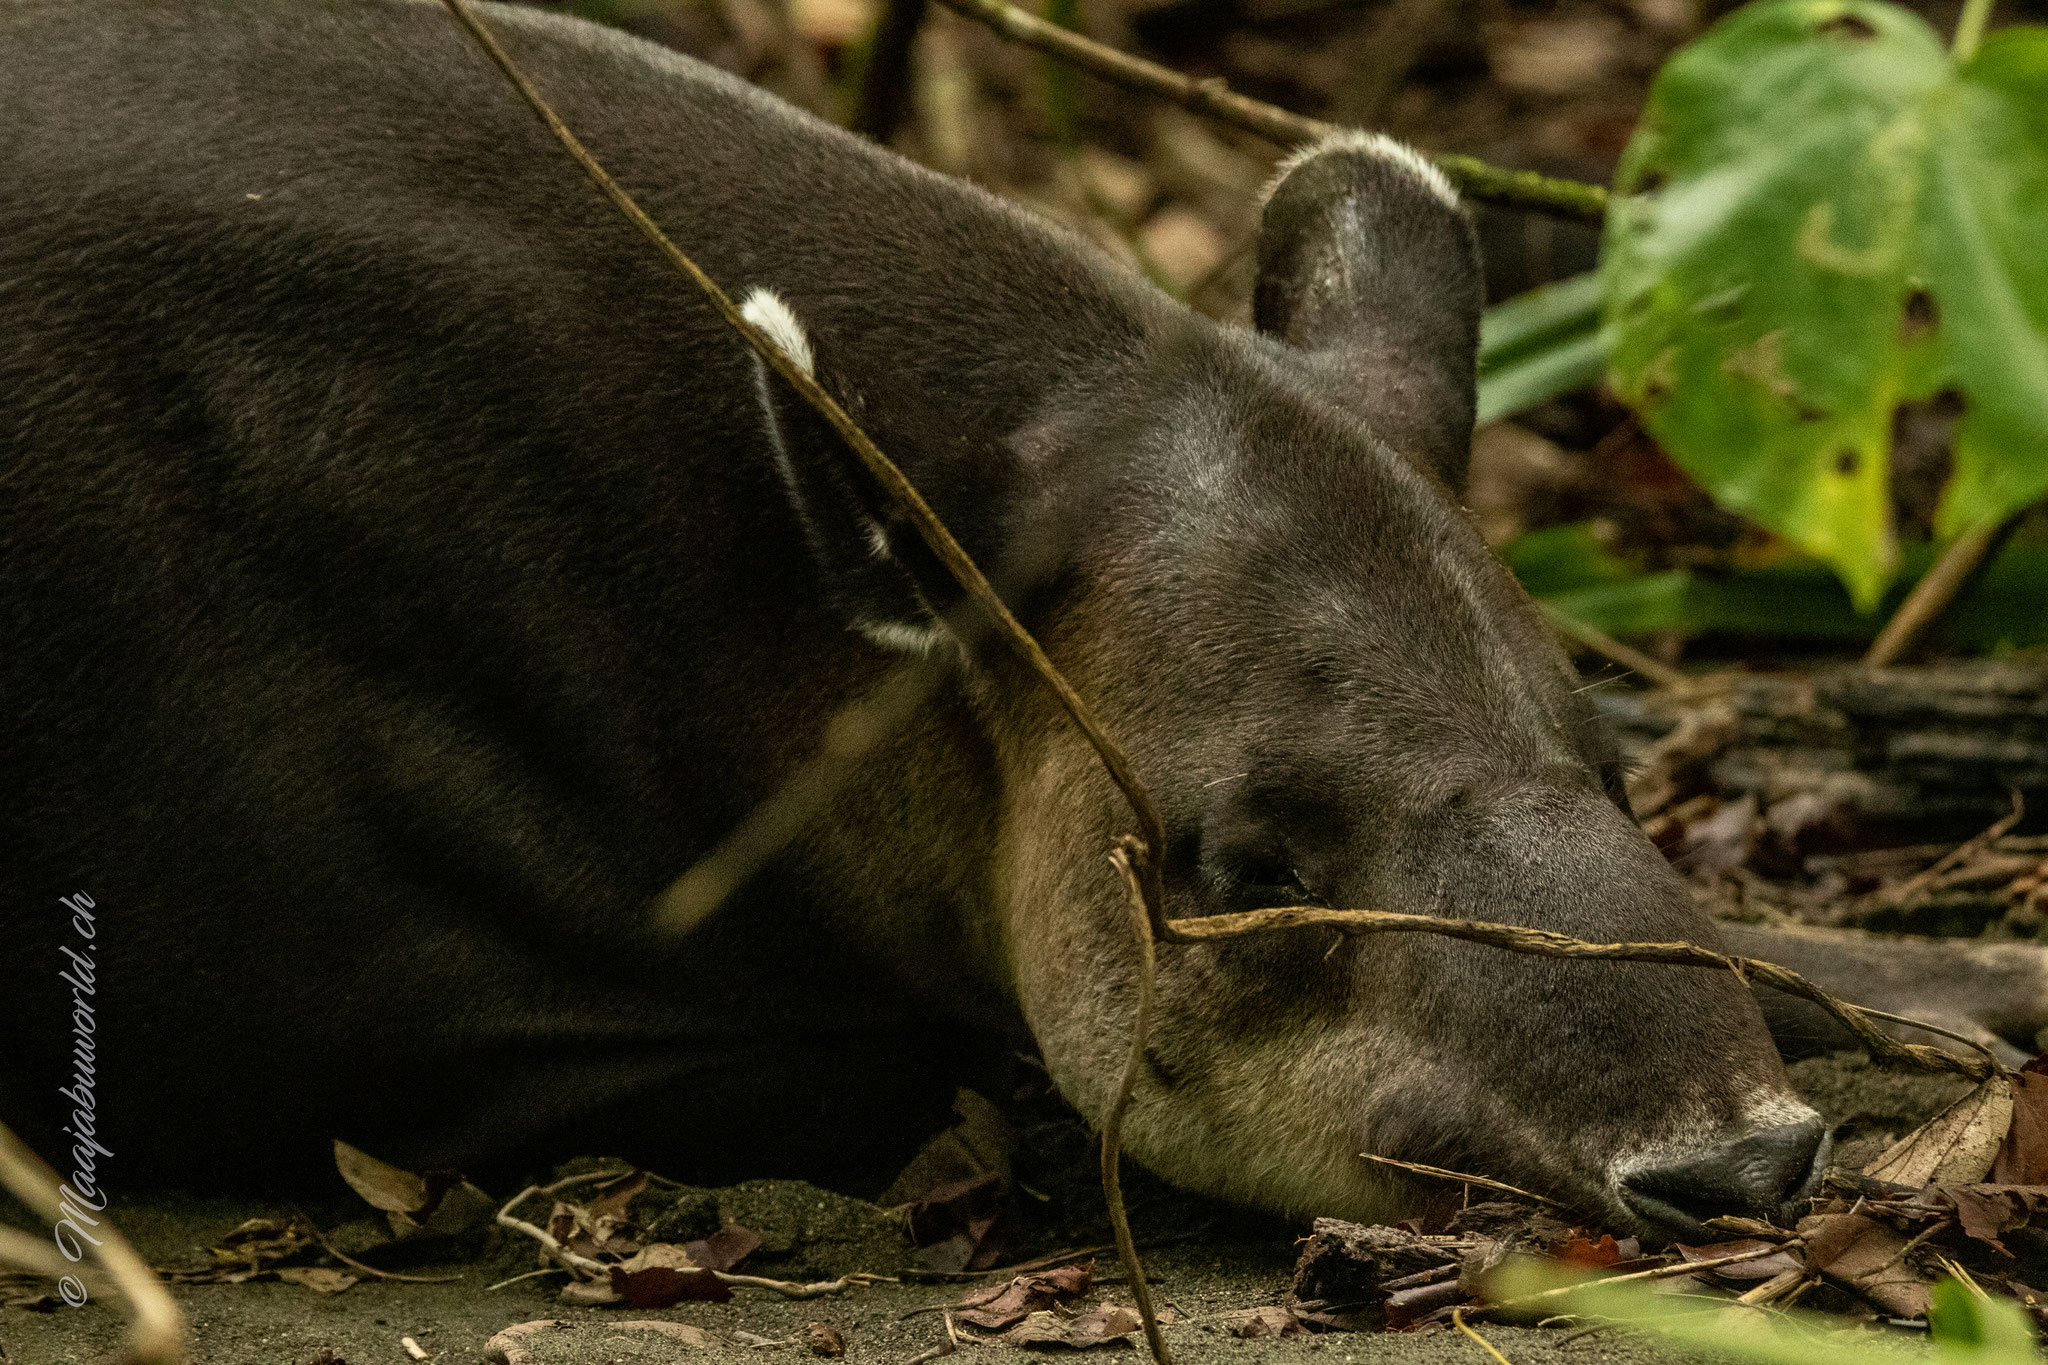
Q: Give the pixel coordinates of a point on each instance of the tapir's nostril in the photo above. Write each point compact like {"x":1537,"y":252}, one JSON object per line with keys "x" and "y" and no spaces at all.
{"x":1758,"y":1175}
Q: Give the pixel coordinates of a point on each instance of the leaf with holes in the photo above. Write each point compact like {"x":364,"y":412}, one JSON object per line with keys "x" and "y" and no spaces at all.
{"x":1826,"y":228}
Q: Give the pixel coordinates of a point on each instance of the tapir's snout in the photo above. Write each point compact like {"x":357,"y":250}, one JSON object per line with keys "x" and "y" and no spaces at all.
{"x":1761,"y":1174}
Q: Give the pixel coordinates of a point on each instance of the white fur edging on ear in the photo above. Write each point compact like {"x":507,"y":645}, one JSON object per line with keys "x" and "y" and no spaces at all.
{"x":766,"y":310}
{"x":1371,"y":144}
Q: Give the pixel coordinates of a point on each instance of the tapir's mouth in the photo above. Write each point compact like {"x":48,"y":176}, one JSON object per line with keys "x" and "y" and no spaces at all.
{"x":1765,"y":1173}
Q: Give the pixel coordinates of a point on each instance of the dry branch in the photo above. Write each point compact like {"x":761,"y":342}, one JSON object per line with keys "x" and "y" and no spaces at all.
{"x":1516,"y":938}
{"x":1957,"y":568}
{"x":1113,"y":1120}
{"x":1211,"y":97}
{"x":1589,"y":636}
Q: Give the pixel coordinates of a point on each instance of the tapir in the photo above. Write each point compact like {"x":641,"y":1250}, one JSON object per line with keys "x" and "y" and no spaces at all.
{"x":409,"y":581}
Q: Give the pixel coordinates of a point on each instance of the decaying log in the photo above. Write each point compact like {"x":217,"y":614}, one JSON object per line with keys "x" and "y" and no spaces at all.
{"x":1928,"y":749}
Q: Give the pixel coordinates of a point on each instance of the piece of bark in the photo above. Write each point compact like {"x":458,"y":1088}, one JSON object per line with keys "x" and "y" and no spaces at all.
{"x":1351,"y":1264}
{"x":1901,"y":746}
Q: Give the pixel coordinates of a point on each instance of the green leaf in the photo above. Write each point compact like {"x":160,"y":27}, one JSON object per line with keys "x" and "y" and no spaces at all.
{"x":1822,"y":218}
{"x":1540,"y":345}
{"x":1569,"y":568}
{"x":1970,"y":1328}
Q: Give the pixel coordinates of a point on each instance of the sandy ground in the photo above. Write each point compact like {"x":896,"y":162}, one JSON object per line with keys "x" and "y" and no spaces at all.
{"x":1240,"y":1263}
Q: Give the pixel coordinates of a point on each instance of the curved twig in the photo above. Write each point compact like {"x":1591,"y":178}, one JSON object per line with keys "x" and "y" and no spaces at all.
{"x":1458,"y":1321}
{"x":901,"y":491}
{"x":1113,"y":1119}
{"x":157,"y":1335}
{"x":1516,"y":938}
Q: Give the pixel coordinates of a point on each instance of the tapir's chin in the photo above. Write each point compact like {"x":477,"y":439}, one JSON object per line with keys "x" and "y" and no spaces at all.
{"x":1764,"y":1168}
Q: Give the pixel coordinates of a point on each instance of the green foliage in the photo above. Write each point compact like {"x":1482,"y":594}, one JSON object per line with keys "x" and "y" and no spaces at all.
{"x":1540,"y":345}
{"x":1823,"y":217}
{"x":1794,"y":598}
{"x":1966,"y":1327}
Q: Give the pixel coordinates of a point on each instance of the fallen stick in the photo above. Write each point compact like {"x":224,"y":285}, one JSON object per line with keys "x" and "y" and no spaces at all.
{"x":1662,"y":1272}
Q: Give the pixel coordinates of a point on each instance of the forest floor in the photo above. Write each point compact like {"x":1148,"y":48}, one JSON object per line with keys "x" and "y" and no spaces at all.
{"x":1221,"y":1262}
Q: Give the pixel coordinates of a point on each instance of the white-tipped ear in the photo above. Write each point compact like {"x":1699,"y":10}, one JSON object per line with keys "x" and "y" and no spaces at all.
{"x":1379,"y":145}
{"x":766,"y":310}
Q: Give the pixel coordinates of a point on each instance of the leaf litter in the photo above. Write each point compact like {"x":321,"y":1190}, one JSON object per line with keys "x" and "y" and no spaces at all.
{"x":1965,"y":1191}
{"x":1964,"y":1195}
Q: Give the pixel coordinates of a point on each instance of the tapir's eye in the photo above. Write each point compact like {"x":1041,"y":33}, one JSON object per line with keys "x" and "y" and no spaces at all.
{"x":1251,"y":878}
{"x":1255,"y":842}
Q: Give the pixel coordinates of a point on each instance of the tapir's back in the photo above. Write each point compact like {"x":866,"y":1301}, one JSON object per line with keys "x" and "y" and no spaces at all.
{"x":398,"y":589}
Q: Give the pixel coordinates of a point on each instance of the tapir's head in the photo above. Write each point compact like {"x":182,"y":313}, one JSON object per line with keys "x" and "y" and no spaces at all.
{"x":1339,"y":697}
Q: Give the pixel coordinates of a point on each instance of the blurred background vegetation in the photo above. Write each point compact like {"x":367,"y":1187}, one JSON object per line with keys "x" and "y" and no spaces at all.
{"x":1571,"y":485}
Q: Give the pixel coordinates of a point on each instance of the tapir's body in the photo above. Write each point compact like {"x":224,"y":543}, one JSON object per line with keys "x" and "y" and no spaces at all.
{"x":374,"y":702}
{"x":407,"y":578}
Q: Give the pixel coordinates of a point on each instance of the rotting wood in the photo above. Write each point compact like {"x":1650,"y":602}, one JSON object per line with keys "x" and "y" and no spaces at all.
{"x":1907,"y":747}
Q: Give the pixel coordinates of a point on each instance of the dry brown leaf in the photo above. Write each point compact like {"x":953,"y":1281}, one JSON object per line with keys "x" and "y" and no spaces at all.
{"x":250,"y":1250}
{"x":725,"y":1248}
{"x":439,"y":1202}
{"x":664,"y":1275}
{"x":1004,"y":1305}
{"x":1581,"y":1249}
{"x":1988,"y":1212}
{"x":978,"y":1145}
{"x":1270,"y":1321}
{"x":2023,"y":1156}
{"x":1864,"y":1256}
{"x":826,"y":1340}
{"x":382,"y":1185}
{"x":319,"y":1278}
{"x":1763,"y":1267}
{"x":1956,"y":1146}
{"x":1097,"y":1327}
{"x":611,"y":1201}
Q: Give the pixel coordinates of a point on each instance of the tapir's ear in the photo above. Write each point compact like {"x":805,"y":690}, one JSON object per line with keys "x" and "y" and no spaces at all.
{"x":1366,"y":257}
{"x":867,"y":563}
